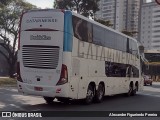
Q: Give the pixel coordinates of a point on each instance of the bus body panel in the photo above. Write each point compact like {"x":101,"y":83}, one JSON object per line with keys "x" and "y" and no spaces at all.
{"x":34,"y":55}
{"x":41,"y":49}
{"x":86,"y":62}
{"x":49,"y":19}
{"x":93,"y":58}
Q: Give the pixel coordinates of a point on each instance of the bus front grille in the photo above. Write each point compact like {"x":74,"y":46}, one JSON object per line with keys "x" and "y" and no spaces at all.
{"x":44,"y":57}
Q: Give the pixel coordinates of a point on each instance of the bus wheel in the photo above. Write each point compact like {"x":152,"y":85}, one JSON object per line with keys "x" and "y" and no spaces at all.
{"x":135,"y":90}
{"x":100,"y":93}
{"x":130,"y":92}
{"x":49,"y":100}
{"x":90,"y":95}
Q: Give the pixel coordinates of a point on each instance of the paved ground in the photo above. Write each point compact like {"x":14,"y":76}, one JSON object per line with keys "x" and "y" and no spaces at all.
{"x":148,"y":100}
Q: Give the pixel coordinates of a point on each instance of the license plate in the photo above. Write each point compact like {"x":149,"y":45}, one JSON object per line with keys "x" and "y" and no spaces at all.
{"x":38,"y":88}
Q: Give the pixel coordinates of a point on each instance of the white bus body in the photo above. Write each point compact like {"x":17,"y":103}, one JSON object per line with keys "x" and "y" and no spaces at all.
{"x":61,"y":54}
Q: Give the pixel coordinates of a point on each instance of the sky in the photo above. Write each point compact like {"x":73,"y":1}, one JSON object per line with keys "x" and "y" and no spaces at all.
{"x":45,"y":3}
{"x":42,"y":3}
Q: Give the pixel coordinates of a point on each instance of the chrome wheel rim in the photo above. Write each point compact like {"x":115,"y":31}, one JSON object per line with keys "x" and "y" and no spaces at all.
{"x":100,"y":93}
{"x":90,"y":95}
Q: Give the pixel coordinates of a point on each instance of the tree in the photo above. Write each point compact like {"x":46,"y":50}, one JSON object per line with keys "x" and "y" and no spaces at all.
{"x":4,"y":2}
{"x":84,"y":7}
{"x":10,"y":14}
{"x":104,"y":22}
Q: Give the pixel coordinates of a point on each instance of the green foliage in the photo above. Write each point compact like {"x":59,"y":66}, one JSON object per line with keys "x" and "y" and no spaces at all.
{"x":3,"y":3}
{"x":10,"y":14}
{"x":83,"y":7}
{"x":104,"y":22}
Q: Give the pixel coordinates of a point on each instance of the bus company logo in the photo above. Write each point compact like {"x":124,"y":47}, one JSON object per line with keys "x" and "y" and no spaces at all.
{"x":40,"y":37}
{"x":6,"y":114}
{"x":40,"y":20}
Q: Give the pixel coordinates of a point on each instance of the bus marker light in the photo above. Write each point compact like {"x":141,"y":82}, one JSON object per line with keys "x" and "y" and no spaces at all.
{"x":38,"y":88}
{"x":58,"y":90}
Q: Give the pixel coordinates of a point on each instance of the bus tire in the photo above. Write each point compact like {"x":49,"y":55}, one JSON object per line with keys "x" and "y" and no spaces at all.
{"x":49,"y":100}
{"x":100,"y":93}
{"x":90,"y":95}
{"x":135,"y":90}
{"x":130,"y":91}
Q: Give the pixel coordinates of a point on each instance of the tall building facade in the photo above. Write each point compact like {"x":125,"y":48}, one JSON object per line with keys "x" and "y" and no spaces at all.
{"x":132,"y":14}
{"x":150,"y":26}
{"x":123,"y":14}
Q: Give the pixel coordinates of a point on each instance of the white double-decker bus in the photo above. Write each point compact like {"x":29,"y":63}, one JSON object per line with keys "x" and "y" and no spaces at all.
{"x":66,"y":56}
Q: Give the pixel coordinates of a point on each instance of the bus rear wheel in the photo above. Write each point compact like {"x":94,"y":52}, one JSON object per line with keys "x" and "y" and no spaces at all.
{"x":89,"y":95}
{"x":100,"y":93}
{"x":130,"y":92}
{"x":135,"y":90}
{"x":49,"y":100}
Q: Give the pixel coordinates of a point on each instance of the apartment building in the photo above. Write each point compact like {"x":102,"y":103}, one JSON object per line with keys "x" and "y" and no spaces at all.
{"x":150,"y":26}
{"x":123,"y":14}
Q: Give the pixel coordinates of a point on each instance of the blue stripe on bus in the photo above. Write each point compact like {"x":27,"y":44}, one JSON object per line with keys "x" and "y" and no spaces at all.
{"x":68,"y":33}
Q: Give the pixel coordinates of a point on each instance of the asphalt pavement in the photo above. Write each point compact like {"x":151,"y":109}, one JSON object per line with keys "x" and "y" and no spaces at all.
{"x":147,"y":100}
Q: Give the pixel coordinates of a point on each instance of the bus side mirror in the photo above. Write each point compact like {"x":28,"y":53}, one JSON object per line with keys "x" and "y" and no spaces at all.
{"x":141,"y":49}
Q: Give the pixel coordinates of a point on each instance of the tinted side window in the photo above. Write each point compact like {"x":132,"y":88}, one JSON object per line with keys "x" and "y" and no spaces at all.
{"x":109,"y":39}
{"x":121,"y":43}
{"x":120,"y":70}
{"x":89,"y":32}
{"x":135,"y":72}
{"x":133,"y":49}
{"x":77,"y":22}
{"x":130,"y":46}
{"x":115,"y":41}
{"x":98,"y":35}
{"x":124,"y":49}
{"x":115,"y":69}
{"x":82,"y":29}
